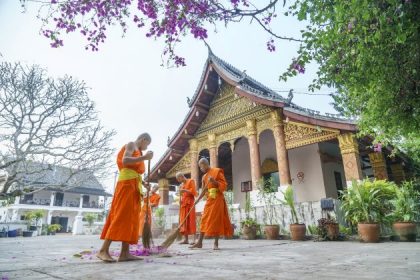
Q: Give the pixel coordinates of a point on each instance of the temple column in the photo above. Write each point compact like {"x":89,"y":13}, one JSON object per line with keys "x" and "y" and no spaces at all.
{"x":281,"y":151}
{"x":254,"y":152}
{"x":397,"y":172}
{"x":213,"y":150}
{"x":194,"y":162}
{"x":17,"y":200}
{"x":81,"y":201}
{"x":350,"y":153}
{"x":163,"y":191}
{"x":52,"y":198}
{"x":378,"y":163}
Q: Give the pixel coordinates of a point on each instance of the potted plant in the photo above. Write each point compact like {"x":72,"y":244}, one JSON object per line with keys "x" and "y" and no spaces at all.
{"x":249,"y":229}
{"x":297,"y":230}
{"x":406,"y":209}
{"x":159,"y":225}
{"x":34,"y":217}
{"x":328,"y":228}
{"x":364,"y":204}
{"x":267,"y":197}
{"x":249,"y":226}
{"x":52,"y":229}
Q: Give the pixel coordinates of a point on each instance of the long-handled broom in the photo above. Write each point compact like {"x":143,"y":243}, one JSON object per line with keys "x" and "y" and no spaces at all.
{"x":146,"y":236}
{"x":173,"y":236}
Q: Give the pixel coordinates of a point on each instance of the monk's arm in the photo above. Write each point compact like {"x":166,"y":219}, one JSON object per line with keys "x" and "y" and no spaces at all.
{"x":221,"y":181}
{"x":203,"y":192}
{"x":129,"y":149}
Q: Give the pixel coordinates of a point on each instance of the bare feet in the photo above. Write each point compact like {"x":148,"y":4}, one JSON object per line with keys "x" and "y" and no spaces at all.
{"x":216,"y":248}
{"x":128,"y":257}
{"x":196,"y":245}
{"x":105,"y":256}
{"x":184,"y":242}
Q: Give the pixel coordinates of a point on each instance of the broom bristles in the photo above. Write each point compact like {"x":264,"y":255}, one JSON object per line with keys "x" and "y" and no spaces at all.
{"x":170,"y":239}
{"x":146,"y":236}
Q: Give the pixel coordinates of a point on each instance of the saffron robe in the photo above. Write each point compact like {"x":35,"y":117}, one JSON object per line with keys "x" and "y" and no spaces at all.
{"x":187,"y":202}
{"x":215,"y":220}
{"x":153,"y":202}
{"x":122,"y":223}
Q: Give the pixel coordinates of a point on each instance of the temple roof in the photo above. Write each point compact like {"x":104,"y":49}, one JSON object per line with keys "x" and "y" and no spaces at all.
{"x":52,"y":177}
{"x":214,"y":73}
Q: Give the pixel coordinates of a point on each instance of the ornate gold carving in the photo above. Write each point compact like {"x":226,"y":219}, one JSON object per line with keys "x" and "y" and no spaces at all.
{"x":252,"y":127}
{"x":227,"y":112}
{"x":300,"y":134}
{"x":348,"y":143}
{"x":269,"y":166}
{"x":378,"y":163}
{"x":264,"y":124}
{"x":183,"y":165}
{"x":212,"y":140}
{"x":193,"y":145}
{"x":276,"y":118}
{"x":232,"y":135}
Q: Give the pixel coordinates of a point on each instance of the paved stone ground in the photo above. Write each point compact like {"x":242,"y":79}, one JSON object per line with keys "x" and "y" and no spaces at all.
{"x":51,"y":257}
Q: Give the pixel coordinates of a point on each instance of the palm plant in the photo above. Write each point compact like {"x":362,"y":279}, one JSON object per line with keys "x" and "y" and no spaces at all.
{"x":289,"y":200}
{"x":406,"y":205}
{"x":367,"y":201}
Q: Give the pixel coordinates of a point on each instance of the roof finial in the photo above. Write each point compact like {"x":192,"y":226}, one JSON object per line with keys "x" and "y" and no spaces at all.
{"x":208,"y":48}
{"x":289,"y":97}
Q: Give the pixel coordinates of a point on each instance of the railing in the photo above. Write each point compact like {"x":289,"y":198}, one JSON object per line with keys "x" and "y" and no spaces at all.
{"x":59,"y":203}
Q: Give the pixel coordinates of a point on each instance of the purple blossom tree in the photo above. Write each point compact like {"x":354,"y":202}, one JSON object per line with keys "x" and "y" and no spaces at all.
{"x":169,"y":19}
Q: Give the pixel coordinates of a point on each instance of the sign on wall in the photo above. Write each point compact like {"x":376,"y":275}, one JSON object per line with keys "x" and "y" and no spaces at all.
{"x":246,"y":186}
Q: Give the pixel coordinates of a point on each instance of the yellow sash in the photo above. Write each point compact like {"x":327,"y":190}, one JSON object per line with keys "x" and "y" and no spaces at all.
{"x":129,"y":174}
{"x":213,"y":192}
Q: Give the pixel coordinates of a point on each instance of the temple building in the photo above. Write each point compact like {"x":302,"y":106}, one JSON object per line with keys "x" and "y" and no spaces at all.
{"x":251,"y":132}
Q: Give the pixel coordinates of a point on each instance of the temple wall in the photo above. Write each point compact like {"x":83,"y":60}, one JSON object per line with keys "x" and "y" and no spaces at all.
{"x":330,"y":166}
{"x":306,"y":160}
{"x":241,"y":169}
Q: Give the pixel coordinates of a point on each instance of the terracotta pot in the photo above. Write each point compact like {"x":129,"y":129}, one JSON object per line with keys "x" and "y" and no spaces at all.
{"x":368,"y":232}
{"x":272,"y":232}
{"x":249,"y":232}
{"x":297,"y":232}
{"x":407,"y":231}
{"x":332,"y":231}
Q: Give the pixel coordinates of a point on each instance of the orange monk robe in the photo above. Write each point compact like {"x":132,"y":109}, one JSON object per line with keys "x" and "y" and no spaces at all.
{"x":122,"y":223}
{"x":153,"y":202}
{"x":187,"y":202}
{"x":215,"y":220}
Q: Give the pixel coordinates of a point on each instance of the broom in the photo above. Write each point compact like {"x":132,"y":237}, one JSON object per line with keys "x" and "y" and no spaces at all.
{"x":146,"y":236}
{"x":173,"y":236}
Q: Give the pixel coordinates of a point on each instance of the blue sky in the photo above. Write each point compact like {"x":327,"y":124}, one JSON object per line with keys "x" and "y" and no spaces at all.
{"x":132,"y":92}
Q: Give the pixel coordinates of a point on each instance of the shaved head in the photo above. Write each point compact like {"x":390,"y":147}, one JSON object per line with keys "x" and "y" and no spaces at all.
{"x":145,"y":136}
{"x":203,"y":161}
{"x":204,"y":165}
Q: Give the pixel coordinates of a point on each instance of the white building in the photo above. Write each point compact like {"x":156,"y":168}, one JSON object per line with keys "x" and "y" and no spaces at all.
{"x":61,"y":205}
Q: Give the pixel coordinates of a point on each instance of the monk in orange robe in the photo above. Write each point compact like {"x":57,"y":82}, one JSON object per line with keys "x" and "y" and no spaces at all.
{"x":187,"y":193}
{"x":122,"y":223}
{"x":153,"y":203}
{"x":215,"y":221}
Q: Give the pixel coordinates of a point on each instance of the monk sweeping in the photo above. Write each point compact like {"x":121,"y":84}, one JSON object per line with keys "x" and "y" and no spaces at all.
{"x":215,"y":220}
{"x":154,"y":198}
{"x":122,"y":223}
{"x":187,"y":193}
